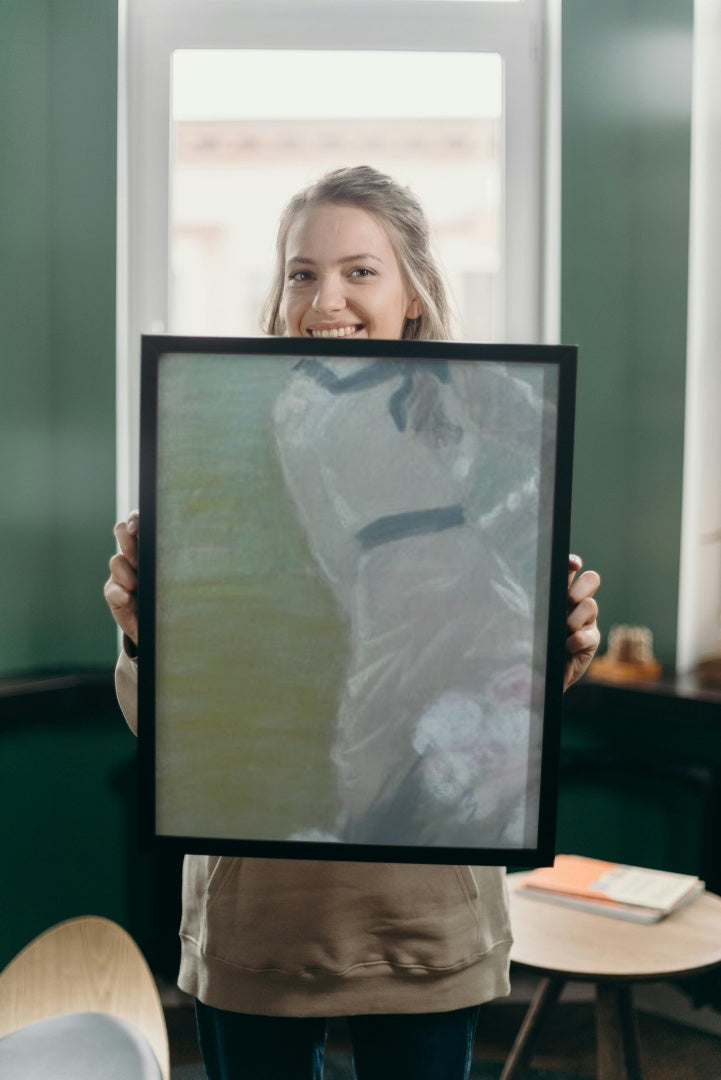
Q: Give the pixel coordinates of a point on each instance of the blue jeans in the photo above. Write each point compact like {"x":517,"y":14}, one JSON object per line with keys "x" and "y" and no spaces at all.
{"x":416,"y":1046}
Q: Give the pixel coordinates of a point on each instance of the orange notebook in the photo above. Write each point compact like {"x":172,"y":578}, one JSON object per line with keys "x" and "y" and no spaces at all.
{"x":631,"y":892}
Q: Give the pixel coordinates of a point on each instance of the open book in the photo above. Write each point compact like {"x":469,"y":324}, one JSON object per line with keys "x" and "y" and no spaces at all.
{"x":608,"y":888}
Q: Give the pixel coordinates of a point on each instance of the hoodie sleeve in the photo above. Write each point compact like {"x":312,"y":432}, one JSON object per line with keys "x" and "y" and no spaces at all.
{"x":126,"y":688}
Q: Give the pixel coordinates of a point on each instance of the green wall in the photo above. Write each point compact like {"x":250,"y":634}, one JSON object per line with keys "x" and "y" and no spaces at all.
{"x":68,"y":804}
{"x":67,"y":761}
{"x":58,"y":71}
{"x":626,"y":145}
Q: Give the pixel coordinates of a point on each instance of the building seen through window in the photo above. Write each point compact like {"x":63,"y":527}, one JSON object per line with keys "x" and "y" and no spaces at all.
{"x":231,"y":175}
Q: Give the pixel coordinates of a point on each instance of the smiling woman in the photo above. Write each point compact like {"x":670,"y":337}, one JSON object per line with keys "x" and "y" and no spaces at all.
{"x":353,"y":259}
{"x":379,"y":460}
{"x":331,"y":292}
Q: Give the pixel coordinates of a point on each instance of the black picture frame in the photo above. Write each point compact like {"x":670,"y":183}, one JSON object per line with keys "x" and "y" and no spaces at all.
{"x":353,"y":574}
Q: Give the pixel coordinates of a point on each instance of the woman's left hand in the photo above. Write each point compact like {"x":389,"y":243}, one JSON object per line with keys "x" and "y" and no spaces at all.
{"x":583,"y":636}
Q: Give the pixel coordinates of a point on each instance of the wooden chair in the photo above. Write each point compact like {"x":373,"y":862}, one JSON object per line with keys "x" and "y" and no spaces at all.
{"x":90,"y":972}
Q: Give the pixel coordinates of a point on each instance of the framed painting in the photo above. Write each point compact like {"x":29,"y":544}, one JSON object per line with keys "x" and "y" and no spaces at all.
{"x":352,"y":597}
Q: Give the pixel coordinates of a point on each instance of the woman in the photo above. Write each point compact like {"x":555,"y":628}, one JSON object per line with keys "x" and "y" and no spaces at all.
{"x":271,"y":948}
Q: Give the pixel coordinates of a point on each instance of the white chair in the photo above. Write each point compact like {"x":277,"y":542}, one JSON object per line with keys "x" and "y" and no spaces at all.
{"x":80,"y":1002}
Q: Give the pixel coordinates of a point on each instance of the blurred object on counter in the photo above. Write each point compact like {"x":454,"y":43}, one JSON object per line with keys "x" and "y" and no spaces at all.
{"x":629,"y":656}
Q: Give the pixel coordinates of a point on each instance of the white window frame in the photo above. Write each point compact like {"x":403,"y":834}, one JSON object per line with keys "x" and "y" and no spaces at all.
{"x":699,"y":596}
{"x":526,"y":34}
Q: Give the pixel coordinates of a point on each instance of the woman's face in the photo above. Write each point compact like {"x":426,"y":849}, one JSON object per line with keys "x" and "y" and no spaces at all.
{"x":342,"y":277}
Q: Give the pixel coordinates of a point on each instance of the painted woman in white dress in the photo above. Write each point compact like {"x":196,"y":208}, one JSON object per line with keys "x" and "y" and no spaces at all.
{"x":417,"y":485}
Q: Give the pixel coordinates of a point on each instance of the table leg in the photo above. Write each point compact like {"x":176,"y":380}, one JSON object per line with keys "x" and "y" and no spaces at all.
{"x":545,"y":997}
{"x":617,"y":1033}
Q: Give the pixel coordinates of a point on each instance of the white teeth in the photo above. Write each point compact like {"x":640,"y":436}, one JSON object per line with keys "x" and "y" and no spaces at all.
{"x":335,"y":332}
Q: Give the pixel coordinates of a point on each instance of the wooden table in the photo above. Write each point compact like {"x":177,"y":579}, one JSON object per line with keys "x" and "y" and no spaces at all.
{"x":563,"y":944}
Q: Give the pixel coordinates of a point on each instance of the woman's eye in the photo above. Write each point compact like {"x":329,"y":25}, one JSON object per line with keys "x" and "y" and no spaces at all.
{"x":300,"y":276}
{"x":362,"y":272}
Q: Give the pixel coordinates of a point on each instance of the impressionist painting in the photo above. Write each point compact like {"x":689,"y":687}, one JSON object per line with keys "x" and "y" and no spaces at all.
{"x":351,"y":596}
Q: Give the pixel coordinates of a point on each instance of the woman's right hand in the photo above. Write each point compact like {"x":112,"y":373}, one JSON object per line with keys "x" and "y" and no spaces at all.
{"x":121,"y":587}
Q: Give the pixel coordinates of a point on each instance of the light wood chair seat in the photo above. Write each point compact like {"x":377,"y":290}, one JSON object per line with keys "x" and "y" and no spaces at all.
{"x":563,"y":944}
{"x":84,"y":965}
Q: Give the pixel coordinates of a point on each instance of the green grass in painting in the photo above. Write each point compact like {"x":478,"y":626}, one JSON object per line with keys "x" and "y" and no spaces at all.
{"x":250,"y":647}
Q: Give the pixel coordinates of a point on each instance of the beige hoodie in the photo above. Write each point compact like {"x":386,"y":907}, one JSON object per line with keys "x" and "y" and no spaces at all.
{"x":285,"y":937}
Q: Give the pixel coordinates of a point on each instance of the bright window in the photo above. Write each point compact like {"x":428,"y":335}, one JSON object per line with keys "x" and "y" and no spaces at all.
{"x":227,"y":107}
{"x":237,"y":160}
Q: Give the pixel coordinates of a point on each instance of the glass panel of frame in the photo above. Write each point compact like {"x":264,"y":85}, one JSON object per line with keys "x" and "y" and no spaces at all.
{"x":353,"y":573}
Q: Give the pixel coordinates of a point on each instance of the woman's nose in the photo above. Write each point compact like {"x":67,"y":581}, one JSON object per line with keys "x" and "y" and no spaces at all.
{"x":329,"y":296}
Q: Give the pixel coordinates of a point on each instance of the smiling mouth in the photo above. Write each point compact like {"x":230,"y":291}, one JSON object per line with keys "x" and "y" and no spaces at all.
{"x":335,"y":331}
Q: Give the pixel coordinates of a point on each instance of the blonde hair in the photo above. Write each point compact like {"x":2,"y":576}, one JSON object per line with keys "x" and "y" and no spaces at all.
{"x":403,"y":217}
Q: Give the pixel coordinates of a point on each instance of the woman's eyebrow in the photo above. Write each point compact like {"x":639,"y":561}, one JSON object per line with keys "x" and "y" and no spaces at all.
{"x":361,"y":257}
